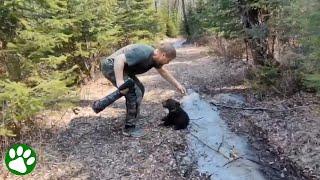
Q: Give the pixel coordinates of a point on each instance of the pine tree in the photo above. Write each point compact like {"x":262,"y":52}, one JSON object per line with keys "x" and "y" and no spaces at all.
{"x":53,"y":41}
{"x":168,"y":21}
{"x":137,"y":21}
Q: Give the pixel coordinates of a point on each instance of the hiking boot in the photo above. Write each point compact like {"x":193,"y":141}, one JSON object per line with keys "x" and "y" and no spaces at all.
{"x":132,"y":131}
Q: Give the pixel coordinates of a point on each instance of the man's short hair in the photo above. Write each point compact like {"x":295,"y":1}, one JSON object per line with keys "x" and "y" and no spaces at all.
{"x":168,"y":49}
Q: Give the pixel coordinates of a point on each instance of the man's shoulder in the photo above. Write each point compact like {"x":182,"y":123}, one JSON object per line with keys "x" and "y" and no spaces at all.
{"x":139,"y":50}
{"x":138,"y":53}
{"x":140,"y":46}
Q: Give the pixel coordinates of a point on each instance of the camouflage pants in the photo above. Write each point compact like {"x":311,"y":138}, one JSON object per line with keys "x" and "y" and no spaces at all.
{"x":133,"y":97}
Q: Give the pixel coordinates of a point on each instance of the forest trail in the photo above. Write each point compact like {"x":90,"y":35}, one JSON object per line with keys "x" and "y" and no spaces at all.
{"x":254,"y":66}
{"x":91,"y":146}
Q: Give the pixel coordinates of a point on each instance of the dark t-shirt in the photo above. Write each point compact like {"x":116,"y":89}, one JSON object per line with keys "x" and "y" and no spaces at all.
{"x":138,"y":57}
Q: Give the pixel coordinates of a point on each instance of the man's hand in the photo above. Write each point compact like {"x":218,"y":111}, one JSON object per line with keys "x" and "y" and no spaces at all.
{"x":181,"y":89}
{"x":166,"y":75}
{"x":125,"y":91}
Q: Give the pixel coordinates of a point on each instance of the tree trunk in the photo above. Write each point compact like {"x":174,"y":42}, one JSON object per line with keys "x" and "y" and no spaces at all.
{"x":13,"y":65}
{"x":256,"y":32}
{"x":2,"y":60}
{"x":186,"y":24}
{"x":246,"y":44}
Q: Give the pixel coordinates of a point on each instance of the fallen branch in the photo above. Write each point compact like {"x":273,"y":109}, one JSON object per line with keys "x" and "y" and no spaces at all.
{"x":233,"y":160}
{"x":175,"y":159}
{"x":260,"y":164}
{"x":225,"y":156}
{"x":220,"y":145}
{"x":255,"y":109}
{"x":197,"y":118}
{"x":196,"y":124}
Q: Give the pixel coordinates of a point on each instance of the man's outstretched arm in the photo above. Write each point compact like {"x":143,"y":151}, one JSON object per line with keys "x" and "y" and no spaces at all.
{"x":167,"y":76}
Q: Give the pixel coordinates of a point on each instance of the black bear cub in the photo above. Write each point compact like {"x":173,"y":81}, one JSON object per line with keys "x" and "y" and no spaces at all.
{"x":177,"y":116}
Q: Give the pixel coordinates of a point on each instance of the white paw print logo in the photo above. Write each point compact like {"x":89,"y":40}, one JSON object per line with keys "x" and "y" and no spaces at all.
{"x":20,"y":159}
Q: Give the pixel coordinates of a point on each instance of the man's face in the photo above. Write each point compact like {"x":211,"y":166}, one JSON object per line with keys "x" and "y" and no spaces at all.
{"x":162,"y":58}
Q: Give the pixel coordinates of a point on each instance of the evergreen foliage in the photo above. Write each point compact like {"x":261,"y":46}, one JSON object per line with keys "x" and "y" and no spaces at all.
{"x":137,"y":21}
{"x":169,"y":20}
{"x":48,"y":47}
{"x":214,"y":17}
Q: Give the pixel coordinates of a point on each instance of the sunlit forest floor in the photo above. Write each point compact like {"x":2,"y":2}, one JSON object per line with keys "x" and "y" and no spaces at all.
{"x":91,"y":146}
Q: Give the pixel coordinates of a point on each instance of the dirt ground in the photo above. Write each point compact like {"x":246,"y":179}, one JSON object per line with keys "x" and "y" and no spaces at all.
{"x":283,"y":131}
{"x":91,"y":146}
{"x":287,"y":139}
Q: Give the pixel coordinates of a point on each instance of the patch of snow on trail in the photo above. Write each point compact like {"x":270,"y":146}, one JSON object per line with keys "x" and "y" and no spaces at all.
{"x":207,"y":131}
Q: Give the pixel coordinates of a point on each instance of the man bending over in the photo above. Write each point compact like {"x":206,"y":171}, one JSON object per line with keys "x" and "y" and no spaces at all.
{"x":135,"y":59}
